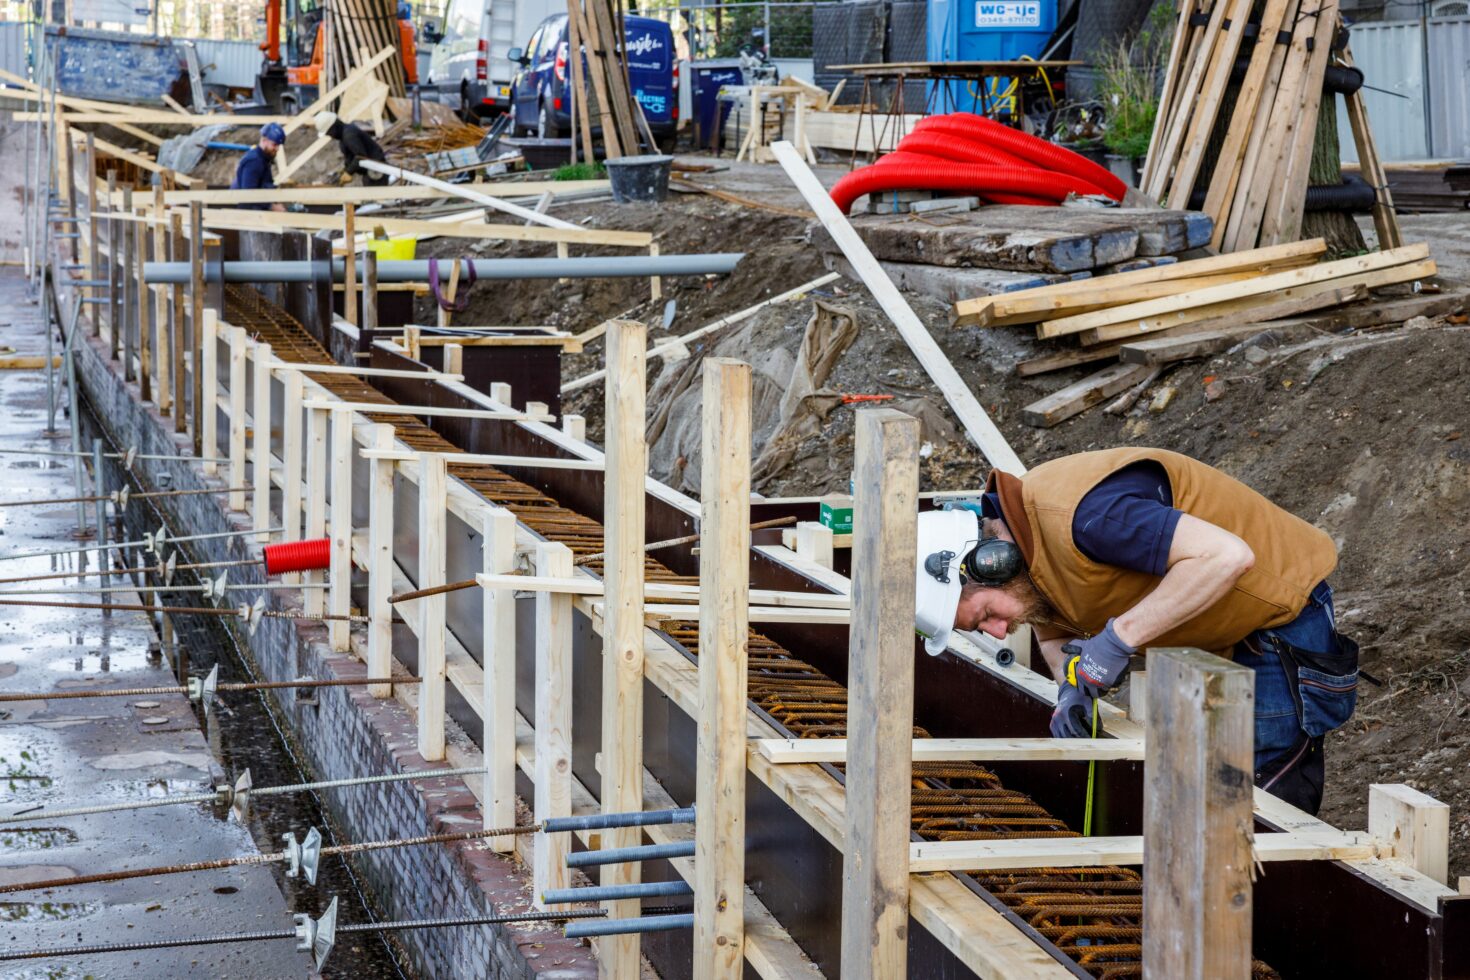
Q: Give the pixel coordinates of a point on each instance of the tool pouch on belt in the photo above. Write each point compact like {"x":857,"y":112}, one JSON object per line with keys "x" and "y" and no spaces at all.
{"x":1325,"y":685}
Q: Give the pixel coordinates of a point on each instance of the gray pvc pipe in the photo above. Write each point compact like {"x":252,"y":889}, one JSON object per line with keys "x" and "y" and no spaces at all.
{"x":417,"y":270}
{"x":621,"y":927}
{"x":615,"y":893}
{"x":603,"y":821}
{"x":622,"y":855}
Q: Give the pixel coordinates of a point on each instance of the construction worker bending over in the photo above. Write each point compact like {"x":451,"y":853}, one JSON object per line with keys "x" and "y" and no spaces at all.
{"x":356,"y":145}
{"x":1107,"y":552}
{"x":253,"y":172}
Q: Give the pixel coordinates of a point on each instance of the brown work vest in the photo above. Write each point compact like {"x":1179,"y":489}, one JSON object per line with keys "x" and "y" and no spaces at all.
{"x":1292,"y":556}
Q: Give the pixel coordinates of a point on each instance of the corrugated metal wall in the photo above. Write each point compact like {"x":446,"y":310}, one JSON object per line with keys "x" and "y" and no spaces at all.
{"x":1392,"y":58}
{"x":13,"y":48}
{"x":232,"y":63}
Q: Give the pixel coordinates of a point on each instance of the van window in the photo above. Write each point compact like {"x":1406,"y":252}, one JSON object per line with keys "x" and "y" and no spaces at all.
{"x":550,"y":37}
{"x":532,"y":44}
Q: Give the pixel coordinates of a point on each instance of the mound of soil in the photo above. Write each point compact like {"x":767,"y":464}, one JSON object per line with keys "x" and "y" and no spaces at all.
{"x":1367,"y":442}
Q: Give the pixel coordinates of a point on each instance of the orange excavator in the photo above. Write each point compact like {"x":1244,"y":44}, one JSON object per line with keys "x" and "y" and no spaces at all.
{"x":289,"y":83}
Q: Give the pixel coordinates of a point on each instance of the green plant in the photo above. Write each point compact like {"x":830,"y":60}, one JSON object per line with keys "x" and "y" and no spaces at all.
{"x":579,"y":171}
{"x":1126,"y":91}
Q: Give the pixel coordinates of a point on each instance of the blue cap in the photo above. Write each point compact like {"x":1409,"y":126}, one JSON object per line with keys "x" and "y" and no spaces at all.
{"x":273,"y":132}
{"x":404,"y":11}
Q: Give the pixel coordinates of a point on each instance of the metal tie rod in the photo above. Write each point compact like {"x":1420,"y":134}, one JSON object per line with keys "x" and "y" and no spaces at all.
{"x":417,"y":270}
{"x":191,"y":689}
{"x":121,"y":497}
{"x":302,"y":857}
{"x":242,"y":787}
{"x":599,"y":893}
{"x":607,"y":821}
{"x":623,"y":927}
{"x":625,"y":855}
{"x":130,"y":455}
{"x":153,"y":543}
{"x":315,"y":936}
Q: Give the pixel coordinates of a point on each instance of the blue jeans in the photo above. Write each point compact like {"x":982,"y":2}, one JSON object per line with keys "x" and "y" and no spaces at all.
{"x":1306,"y":679}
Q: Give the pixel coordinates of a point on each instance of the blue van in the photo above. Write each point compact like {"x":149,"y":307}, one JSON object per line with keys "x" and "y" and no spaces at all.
{"x":541,"y":90}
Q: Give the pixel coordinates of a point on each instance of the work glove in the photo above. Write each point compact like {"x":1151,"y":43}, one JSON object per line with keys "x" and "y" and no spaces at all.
{"x":344,"y":180}
{"x":1073,"y":716}
{"x":1097,"y":664}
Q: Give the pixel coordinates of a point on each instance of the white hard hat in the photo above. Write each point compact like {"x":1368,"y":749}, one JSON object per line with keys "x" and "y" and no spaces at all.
{"x":945,"y":537}
{"x":324,"y":122}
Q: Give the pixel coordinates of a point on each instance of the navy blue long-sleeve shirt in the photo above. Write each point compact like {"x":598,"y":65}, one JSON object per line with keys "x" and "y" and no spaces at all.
{"x":253,"y":173}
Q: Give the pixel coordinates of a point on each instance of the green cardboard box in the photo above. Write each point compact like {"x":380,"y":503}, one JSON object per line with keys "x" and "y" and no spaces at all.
{"x":836,"y":513}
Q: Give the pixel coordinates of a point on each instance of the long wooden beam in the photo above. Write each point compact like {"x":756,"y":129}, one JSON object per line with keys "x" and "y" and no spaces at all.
{"x":783,"y":751}
{"x":656,"y":590}
{"x":368,"y":195}
{"x":1093,"y":852}
{"x":285,"y":220}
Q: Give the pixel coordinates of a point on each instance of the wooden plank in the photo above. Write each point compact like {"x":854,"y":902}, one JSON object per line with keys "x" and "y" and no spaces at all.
{"x":367,"y":372}
{"x":1167,"y":350}
{"x":207,"y":367}
{"x":1321,"y":272}
{"x":1188,"y":96}
{"x":1197,"y":817}
{"x":203,"y":420}
{"x":875,"y":894}
{"x":342,"y":196}
{"x":1385,"y":218}
{"x":379,"y":561}
{"x":1061,"y":360}
{"x":1283,"y":219}
{"x":1015,"y":307}
{"x":1104,"y":294}
{"x":724,"y":571}
{"x":339,"y":599}
{"x":499,"y":655}
{"x":236,"y":391}
{"x":785,"y":751}
{"x":358,"y":74}
{"x":1283,"y":302}
{"x":553,"y":796}
{"x":1203,"y":111}
{"x":476,"y":230}
{"x":1415,"y":824}
{"x":139,"y":160}
{"x":433,"y":520}
{"x":1094,"y":852}
{"x":430,"y":411}
{"x":260,"y":416}
{"x":314,"y":601}
{"x":959,"y":397}
{"x":626,"y":468}
{"x":291,"y":462}
{"x":1081,"y":395}
{"x":469,"y":194}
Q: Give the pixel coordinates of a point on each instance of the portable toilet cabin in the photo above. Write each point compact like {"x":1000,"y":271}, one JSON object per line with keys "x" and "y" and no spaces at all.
{"x":984,"y":30}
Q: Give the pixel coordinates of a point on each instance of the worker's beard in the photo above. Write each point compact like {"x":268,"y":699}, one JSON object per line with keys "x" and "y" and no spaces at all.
{"x":1035,"y":608}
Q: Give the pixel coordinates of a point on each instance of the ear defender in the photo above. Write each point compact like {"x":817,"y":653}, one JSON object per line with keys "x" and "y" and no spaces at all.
{"x":993,"y":562}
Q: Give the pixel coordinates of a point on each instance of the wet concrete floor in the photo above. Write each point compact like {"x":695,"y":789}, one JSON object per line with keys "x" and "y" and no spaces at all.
{"x":56,"y":754}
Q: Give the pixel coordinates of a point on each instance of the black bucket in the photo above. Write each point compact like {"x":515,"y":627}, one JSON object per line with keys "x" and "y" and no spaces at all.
{"x":640,"y":178}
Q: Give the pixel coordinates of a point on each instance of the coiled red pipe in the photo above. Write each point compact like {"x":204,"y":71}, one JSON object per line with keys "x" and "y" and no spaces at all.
{"x":298,"y":556}
{"x":965,"y":153}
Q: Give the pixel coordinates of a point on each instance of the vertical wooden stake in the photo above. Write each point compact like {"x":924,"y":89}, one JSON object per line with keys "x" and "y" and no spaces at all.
{"x":1416,"y":824}
{"x":575,"y":426}
{"x":1138,"y":697}
{"x":94,"y":245}
{"x":655,"y":283}
{"x":453,"y":359}
{"x":261,"y":417}
{"x":499,"y":708}
{"x":160,"y":304}
{"x":814,"y":542}
{"x":203,"y":347}
{"x":433,"y":491}
{"x":369,"y":294}
{"x":626,"y":467}
{"x":1197,"y":817}
{"x":313,"y":602}
{"x":450,"y":291}
{"x":880,"y":706}
{"x":291,"y":473}
{"x":538,"y":408}
{"x":178,"y":398}
{"x":349,"y":262}
{"x":500,"y":391}
{"x":724,"y":629}
{"x":339,"y":598}
{"x":553,"y":721}
{"x":207,"y":408}
{"x":114,"y":257}
{"x":236,"y":394}
{"x":142,"y":293}
{"x":380,"y":562}
{"x":129,"y":305}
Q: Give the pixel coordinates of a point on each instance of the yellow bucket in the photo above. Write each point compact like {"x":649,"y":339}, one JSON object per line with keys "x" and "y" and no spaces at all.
{"x":393,"y":249}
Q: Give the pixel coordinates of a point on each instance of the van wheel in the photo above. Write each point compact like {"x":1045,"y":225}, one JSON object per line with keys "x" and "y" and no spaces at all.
{"x":545,"y":126}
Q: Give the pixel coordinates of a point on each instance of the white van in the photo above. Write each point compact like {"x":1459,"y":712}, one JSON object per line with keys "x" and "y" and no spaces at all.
{"x":469,"y":69}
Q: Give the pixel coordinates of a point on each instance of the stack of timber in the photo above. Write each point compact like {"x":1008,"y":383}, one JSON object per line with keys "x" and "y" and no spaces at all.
{"x":1151,"y":317}
{"x":1255,"y":188}
{"x":596,"y":26}
{"x":998,"y":248}
{"x":354,"y":29}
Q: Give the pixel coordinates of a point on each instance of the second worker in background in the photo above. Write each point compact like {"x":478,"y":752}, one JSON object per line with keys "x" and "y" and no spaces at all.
{"x":356,"y":144}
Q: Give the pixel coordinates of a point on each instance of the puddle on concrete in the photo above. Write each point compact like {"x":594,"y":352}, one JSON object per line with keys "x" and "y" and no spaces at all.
{"x":36,"y":838}
{"x":243,"y":733}
{"x":45,"y":911}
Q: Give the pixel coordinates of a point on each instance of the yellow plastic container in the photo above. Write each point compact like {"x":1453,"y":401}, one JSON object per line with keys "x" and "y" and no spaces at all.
{"x":393,"y":249}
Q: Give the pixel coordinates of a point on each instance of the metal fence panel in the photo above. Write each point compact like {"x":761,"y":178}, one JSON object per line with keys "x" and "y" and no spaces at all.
{"x":1391,"y":56}
{"x":232,"y":63}
{"x":1449,"y":80}
{"x":13,"y":57}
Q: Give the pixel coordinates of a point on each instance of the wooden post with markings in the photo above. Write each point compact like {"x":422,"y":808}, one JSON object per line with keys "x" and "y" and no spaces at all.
{"x":499,"y":708}
{"x":553,"y":721}
{"x":1197,"y":822}
{"x":880,"y":707}
{"x":626,"y":469}
{"x":236,"y":392}
{"x":380,"y":561}
{"x":260,"y":416}
{"x":349,"y":264}
{"x":724,"y":629}
{"x":291,"y":464}
{"x":206,"y":408}
{"x":433,"y":510}
{"x":1416,"y":824}
{"x":339,"y":595}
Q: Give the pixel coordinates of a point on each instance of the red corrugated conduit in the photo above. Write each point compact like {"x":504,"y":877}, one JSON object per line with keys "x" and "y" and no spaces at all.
{"x":970,"y":154}
{"x":298,"y":556}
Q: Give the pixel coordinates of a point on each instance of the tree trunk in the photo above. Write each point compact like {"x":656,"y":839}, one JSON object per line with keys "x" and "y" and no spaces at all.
{"x":1337,"y":228}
